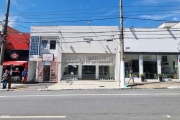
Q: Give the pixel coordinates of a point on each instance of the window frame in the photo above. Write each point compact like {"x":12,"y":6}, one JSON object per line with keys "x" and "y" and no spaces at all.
{"x":50,"y":44}
{"x":46,"y":44}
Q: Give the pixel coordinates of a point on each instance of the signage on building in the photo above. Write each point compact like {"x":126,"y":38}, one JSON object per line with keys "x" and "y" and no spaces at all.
{"x":48,"y":57}
{"x":88,"y":39}
{"x":149,"y":57}
{"x":18,"y":55}
{"x":89,"y":59}
{"x":14,"y":55}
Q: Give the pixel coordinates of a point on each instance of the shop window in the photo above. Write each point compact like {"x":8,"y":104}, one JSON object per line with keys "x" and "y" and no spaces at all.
{"x":71,"y":70}
{"x":104,"y":72}
{"x":169,"y":66}
{"x":44,"y":44}
{"x":52,"y":44}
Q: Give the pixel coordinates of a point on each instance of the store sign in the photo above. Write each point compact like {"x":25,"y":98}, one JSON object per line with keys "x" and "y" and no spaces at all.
{"x":88,"y":39}
{"x":48,"y":57}
{"x":14,"y":55}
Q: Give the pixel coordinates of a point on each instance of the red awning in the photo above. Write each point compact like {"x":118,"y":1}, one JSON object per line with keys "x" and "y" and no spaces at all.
{"x":14,"y":63}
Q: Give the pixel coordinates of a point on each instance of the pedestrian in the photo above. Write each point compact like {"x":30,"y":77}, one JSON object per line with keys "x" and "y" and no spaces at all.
{"x":24,"y":72}
{"x":131,"y":75}
{"x":5,"y":78}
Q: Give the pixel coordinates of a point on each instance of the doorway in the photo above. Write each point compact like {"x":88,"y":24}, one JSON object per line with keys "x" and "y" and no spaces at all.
{"x":88,"y":72}
{"x":46,"y":73}
{"x":150,"y":69}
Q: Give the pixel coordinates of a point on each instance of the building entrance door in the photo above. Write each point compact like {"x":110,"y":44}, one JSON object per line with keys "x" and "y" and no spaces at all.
{"x":46,"y":73}
{"x":88,"y":72}
{"x":150,"y":69}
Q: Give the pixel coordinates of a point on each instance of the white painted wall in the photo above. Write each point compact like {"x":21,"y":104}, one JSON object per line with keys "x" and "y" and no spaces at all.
{"x":151,"y":40}
{"x":32,"y":70}
{"x":73,"y":42}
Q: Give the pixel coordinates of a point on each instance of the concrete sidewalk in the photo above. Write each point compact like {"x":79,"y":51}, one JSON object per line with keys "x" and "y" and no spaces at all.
{"x":91,"y":84}
{"x":87,"y":85}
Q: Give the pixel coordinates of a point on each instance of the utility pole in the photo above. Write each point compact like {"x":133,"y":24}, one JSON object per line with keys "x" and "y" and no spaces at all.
{"x":4,"y":39}
{"x":122,"y":68}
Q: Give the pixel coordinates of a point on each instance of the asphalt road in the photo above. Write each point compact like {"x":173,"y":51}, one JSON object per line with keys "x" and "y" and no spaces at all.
{"x":90,"y":105}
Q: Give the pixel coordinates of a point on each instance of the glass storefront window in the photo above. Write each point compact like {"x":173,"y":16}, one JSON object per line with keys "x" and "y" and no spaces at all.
{"x":71,"y":70}
{"x":104,"y":72}
{"x":169,"y":66}
{"x":132,"y":61}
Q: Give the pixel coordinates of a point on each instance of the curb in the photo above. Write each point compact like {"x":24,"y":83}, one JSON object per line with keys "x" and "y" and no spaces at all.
{"x":6,"y":90}
{"x":84,"y":89}
{"x":174,"y":87}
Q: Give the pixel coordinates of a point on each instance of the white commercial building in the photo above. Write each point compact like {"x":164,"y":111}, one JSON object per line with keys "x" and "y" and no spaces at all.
{"x":77,"y":52}
{"x":93,"y":53}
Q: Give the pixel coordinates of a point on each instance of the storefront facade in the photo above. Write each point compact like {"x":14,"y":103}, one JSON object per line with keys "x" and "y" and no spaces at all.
{"x":152,"y":64}
{"x":16,"y":56}
{"x":153,"y":51}
{"x":88,"y":66}
{"x":79,"y":54}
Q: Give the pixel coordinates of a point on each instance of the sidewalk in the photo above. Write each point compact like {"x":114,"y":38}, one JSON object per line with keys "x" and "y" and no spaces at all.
{"x":88,"y":85}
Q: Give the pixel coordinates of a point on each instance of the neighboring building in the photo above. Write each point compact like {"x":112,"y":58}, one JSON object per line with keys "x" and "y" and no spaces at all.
{"x":73,"y":52}
{"x":151,"y":51}
{"x":17,"y":53}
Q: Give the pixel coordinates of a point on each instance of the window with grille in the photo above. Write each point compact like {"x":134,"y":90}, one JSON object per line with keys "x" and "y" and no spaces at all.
{"x":34,"y":49}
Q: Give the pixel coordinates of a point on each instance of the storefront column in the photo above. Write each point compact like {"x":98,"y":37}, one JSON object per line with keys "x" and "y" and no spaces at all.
{"x":80,"y":72}
{"x":178,"y":70}
{"x":141,"y":65}
{"x":97,"y":72}
{"x":158,"y":64}
{"x":59,"y":72}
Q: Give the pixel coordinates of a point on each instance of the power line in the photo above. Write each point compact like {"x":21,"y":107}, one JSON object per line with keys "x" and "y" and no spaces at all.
{"x":87,"y":20}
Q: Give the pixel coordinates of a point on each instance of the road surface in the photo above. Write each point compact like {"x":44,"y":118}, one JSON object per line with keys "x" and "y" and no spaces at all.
{"x":90,"y":105}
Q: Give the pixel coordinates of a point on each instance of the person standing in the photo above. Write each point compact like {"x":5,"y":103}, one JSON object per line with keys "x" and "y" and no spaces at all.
{"x":24,"y":72}
{"x":5,"y":78}
{"x":131,"y":75}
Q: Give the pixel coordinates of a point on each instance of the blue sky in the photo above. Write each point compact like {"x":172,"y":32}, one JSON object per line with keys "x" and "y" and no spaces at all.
{"x":26,"y":13}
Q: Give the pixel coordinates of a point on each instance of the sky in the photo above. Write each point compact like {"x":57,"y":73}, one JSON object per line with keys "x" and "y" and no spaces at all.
{"x":136,"y":13}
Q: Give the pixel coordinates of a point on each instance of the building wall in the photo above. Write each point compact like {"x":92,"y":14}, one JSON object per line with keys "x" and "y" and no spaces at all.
{"x":72,"y":38}
{"x":32,"y":71}
{"x":151,"y":40}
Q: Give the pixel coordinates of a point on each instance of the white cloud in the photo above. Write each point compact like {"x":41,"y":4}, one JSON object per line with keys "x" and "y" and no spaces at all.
{"x":22,"y":5}
{"x":162,"y":15}
{"x":13,"y":20}
{"x":156,"y":1}
{"x":175,"y":19}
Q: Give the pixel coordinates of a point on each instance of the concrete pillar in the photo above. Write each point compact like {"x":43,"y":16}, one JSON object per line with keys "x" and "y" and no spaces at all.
{"x":141,"y":70}
{"x":178,"y":63}
{"x":80,"y":72}
{"x":97,"y":72}
{"x":117,"y":72}
{"x":59,"y":72}
{"x":158,"y":64}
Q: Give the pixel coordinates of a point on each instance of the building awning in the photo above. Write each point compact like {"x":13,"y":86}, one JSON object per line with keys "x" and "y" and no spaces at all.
{"x":14,"y":63}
